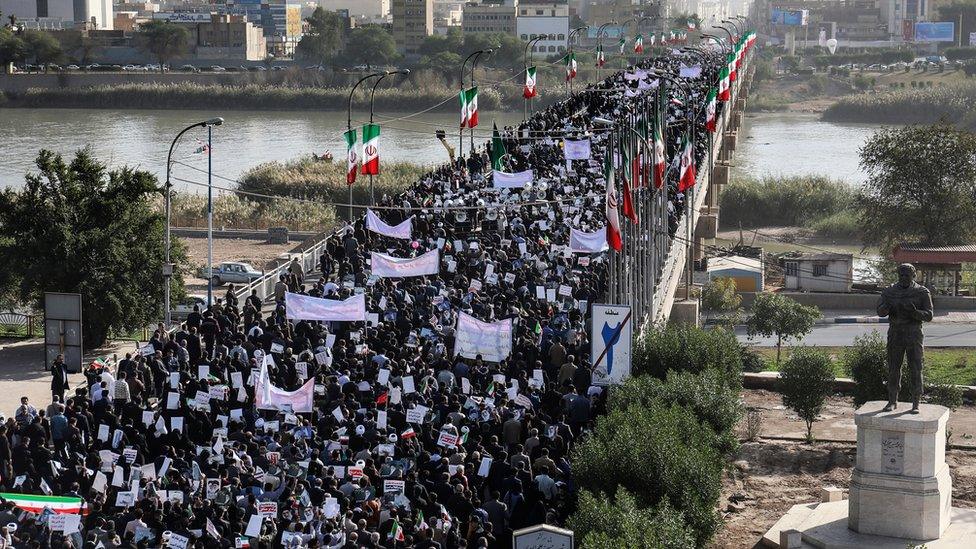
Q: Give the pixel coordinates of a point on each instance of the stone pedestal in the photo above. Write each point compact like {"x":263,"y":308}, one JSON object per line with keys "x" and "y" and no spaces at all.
{"x":900,"y":486}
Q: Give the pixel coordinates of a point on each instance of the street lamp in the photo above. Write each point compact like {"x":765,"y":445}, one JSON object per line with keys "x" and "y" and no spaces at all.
{"x":372,"y":198}
{"x":168,"y":267}
{"x":349,"y":121}
{"x":719,"y":41}
{"x":210,"y":125}
{"x":736,"y":27}
{"x":474,"y":67}
{"x":526,"y":59}
{"x":599,"y":41}
{"x":461,"y":129}
{"x":569,"y":43}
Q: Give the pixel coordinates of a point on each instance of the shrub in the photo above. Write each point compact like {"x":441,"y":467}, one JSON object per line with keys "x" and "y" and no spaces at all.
{"x":842,"y":225}
{"x":782,"y":201}
{"x":705,"y":394}
{"x":232,"y":211}
{"x":719,"y":295}
{"x":752,"y":361}
{"x":688,"y":348}
{"x":619,"y":523}
{"x":786,"y":318}
{"x":806,"y":380}
{"x":866,"y":362}
{"x":944,"y":394}
{"x":915,"y":105}
{"x":659,"y":453}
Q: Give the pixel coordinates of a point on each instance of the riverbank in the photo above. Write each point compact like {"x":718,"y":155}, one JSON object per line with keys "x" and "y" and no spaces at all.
{"x":951,"y":102}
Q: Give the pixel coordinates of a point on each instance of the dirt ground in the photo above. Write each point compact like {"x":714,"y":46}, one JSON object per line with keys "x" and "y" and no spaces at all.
{"x":768,"y":477}
{"x":256,"y":252}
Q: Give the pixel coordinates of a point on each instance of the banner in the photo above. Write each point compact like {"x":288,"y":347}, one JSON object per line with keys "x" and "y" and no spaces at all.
{"x":690,"y":72}
{"x":610,"y":341}
{"x":503,"y":180}
{"x":377,"y":225}
{"x":491,"y":340}
{"x":594,"y":242}
{"x":269,"y":397}
{"x":940,"y":31}
{"x":394,"y":267}
{"x":303,"y":307}
{"x":577,"y":150}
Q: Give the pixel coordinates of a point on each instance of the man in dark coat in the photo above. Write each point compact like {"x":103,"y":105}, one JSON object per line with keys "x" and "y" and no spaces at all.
{"x":59,"y":378}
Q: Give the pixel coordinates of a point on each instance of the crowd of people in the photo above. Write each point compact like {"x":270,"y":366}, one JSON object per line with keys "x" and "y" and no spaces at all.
{"x":408,"y":444}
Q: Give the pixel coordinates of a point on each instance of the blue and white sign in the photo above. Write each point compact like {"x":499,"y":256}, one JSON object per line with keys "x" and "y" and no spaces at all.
{"x":610,"y":343}
{"x":943,"y":31}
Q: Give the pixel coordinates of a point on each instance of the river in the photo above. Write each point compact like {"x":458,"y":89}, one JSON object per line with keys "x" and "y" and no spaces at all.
{"x":769,"y":144}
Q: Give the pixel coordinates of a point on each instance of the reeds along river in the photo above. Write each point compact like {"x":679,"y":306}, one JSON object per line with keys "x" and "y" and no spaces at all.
{"x":141,"y":138}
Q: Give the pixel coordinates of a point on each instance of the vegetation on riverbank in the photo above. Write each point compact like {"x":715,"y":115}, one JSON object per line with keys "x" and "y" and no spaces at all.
{"x":950,"y":102}
{"x":815,"y":202}
{"x":239,"y":212}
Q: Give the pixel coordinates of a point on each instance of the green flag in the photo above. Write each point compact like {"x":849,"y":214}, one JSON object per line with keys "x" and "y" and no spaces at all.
{"x":497,"y":149}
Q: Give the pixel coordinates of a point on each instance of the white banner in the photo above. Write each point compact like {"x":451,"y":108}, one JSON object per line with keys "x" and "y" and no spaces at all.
{"x":588,"y":242}
{"x":303,"y":307}
{"x":690,"y":72}
{"x":645,"y":85}
{"x":394,"y":267}
{"x":377,"y":225}
{"x":577,"y":150}
{"x":269,"y":397}
{"x":610,"y":341}
{"x":503,"y":180}
{"x":491,"y":340}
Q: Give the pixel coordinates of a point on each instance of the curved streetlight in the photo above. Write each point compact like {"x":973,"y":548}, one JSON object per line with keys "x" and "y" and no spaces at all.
{"x":696,"y":52}
{"x":719,"y":41}
{"x":623,"y":29}
{"x":168,"y":267}
{"x":599,"y":45}
{"x":736,"y":27}
{"x":461,"y":129}
{"x":372,"y":93}
{"x":474,"y":67}
{"x":526,"y":59}
{"x":349,"y":121}
{"x":731,"y":38}
{"x":569,"y":43}
{"x":641,"y":21}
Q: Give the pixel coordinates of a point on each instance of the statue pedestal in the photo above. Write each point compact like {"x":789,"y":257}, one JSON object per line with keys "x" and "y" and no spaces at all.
{"x":900,"y":486}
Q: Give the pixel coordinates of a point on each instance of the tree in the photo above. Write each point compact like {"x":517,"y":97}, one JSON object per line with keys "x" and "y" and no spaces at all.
{"x":434,"y":44}
{"x":12,"y":48}
{"x":682,"y":348}
{"x":81,"y":47}
{"x":77,"y":227}
{"x":806,"y":380}
{"x":620,"y":523}
{"x":163,"y":40}
{"x":775,"y":314}
{"x":323,"y":39}
{"x":43,"y":47}
{"x":371,"y":45}
{"x":719,"y":295}
{"x":921,"y":186}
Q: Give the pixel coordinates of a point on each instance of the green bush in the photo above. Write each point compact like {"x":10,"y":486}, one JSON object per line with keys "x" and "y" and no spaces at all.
{"x":915,"y":105}
{"x":619,"y":523}
{"x":752,"y":361}
{"x":782,"y":201}
{"x":944,"y":394}
{"x":866,"y":362}
{"x":806,"y":380}
{"x":842,"y":225}
{"x":705,"y":394}
{"x":235,"y":212}
{"x":659,"y":453}
{"x":681,"y":348}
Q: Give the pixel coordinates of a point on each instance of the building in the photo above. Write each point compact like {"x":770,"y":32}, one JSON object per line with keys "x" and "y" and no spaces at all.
{"x":490,"y":16}
{"x":61,"y":14}
{"x":746,"y":272}
{"x":447,"y":16}
{"x":940,"y":267}
{"x":413,"y":21}
{"x":823,"y":272}
{"x":281,"y":21}
{"x":544,"y":18}
{"x":359,"y":9}
{"x":230,"y":37}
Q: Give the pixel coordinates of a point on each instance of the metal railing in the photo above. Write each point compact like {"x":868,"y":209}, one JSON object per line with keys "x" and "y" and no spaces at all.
{"x":14,"y":324}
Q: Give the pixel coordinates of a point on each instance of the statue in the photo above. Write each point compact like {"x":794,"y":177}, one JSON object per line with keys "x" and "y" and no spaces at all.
{"x":907,"y":304}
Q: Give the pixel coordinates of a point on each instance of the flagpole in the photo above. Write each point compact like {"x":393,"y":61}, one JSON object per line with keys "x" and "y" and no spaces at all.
{"x":461,"y":79}
{"x":474,"y":67}
{"x":349,"y":127}
{"x":526,"y":59}
{"x":372,"y":94}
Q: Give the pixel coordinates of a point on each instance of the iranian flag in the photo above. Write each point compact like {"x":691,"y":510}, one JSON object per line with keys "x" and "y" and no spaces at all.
{"x":36,"y":503}
{"x":396,"y":532}
{"x":463,"y":97}
{"x":639,"y":44}
{"x":687,"y":178}
{"x":660,"y":162}
{"x":570,"y":66}
{"x":529,"y":92}
{"x":710,"y":110}
{"x":691,"y":25}
{"x":371,"y":150}
{"x":600,"y":59}
{"x":473,"y":107}
{"x":724,"y":94}
{"x":613,"y":219}
{"x":653,"y":38}
{"x":731,"y":66}
{"x":408,"y":434}
{"x":352,"y":161}
{"x":629,"y":211}
{"x":621,"y":44}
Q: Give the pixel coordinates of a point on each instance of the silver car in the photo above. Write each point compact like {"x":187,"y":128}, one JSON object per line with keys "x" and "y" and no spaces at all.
{"x":234,"y":272}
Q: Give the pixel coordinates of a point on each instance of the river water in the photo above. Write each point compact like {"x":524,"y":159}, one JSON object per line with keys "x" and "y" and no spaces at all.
{"x":769,"y":144}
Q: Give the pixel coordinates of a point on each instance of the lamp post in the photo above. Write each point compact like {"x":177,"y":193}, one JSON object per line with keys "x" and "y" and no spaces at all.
{"x":569,"y":43}
{"x":372,"y":198}
{"x":461,"y":130}
{"x":210,"y":125}
{"x":717,"y":40}
{"x":642,"y":19}
{"x":349,"y":121}
{"x":623,"y":31}
{"x":168,"y":267}
{"x":526,"y":59}
{"x":474,"y":66}
{"x":736,"y":27}
{"x":599,"y":45}
{"x":731,"y":38}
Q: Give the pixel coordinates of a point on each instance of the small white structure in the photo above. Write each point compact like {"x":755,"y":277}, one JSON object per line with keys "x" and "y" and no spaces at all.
{"x":543,"y":536}
{"x":823,"y":272}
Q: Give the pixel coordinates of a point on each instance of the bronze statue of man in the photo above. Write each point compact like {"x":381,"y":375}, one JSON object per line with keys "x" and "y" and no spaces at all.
{"x":907,"y":304}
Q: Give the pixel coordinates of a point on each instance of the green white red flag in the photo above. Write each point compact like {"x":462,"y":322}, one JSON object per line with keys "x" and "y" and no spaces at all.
{"x":36,"y":503}
{"x":731,"y":67}
{"x":463,"y":99}
{"x":710,"y":109}
{"x":687,"y":178}
{"x":724,"y":94}
{"x":600,"y":59}
{"x":613,"y":219}
{"x":352,"y":159}
{"x":660,"y":162}
{"x":473,"y":107}
{"x":371,"y":150}
{"x":570,"y":66}
{"x":639,"y":44}
{"x":621,"y":44}
{"x":529,"y":92}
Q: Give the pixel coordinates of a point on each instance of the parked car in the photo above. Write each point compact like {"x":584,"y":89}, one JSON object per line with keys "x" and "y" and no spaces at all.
{"x":189,"y":68}
{"x":217,"y":68}
{"x":73,"y":67}
{"x":234,"y":272}
{"x":184,"y":308}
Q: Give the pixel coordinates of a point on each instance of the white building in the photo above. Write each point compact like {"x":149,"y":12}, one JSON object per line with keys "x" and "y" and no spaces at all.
{"x":369,"y":9}
{"x":823,"y":272}
{"x":540,"y":18}
{"x":96,"y":14}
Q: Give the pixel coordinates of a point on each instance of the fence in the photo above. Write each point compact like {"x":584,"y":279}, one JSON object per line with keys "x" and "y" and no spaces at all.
{"x":17,"y":325}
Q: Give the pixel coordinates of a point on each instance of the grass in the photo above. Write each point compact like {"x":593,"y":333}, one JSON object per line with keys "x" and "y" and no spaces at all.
{"x":942,"y":364}
{"x":945,"y":101}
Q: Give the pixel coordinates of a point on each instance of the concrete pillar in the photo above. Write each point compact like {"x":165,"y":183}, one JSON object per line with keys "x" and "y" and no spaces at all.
{"x":707,"y":226}
{"x":720,"y":175}
{"x":684,"y":312}
{"x":699,"y":248}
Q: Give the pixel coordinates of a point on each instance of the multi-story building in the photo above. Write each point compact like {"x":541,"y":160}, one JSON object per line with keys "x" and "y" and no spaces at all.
{"x":490,"y":16}
{"x":413,"y":21}
{"x":230,"y":37}
{"x":359,"y":9}
{"x":281,"y":21}
{"x":548,"y":18}
{"x":61,"y":14}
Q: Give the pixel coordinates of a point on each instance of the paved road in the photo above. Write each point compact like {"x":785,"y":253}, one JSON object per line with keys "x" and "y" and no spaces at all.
{"x":956,"y":334}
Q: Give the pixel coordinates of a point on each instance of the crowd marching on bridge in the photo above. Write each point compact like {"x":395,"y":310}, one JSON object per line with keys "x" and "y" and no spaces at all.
{"x":425,"y":390}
